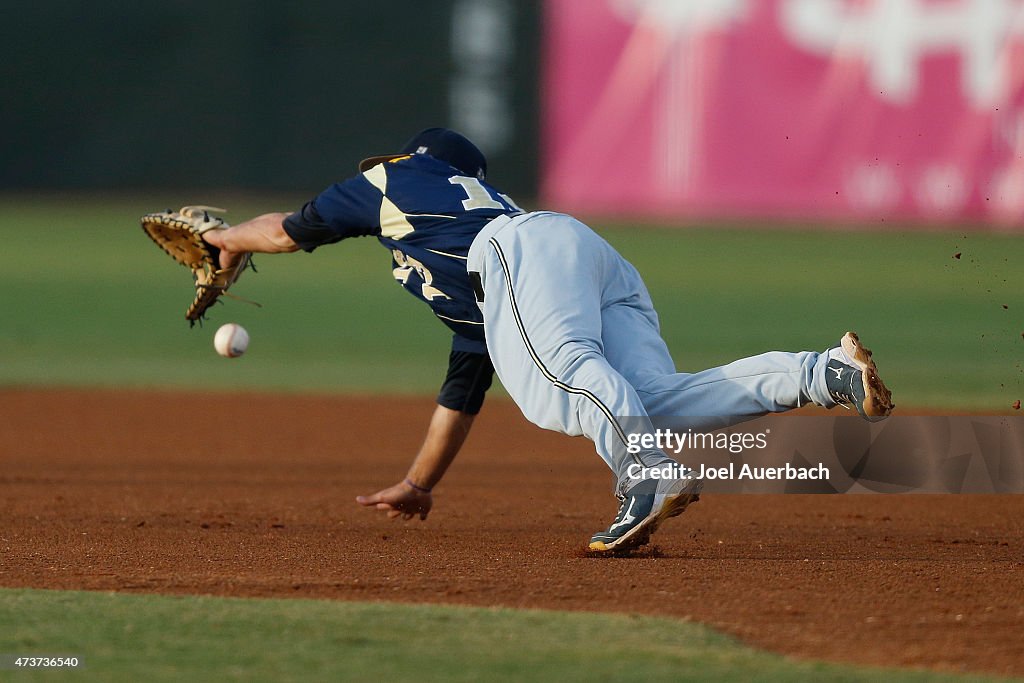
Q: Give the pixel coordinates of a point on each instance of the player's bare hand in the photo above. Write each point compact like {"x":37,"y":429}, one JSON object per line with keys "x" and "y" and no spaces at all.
{"x":399,"y":500}
{"x":230,"y":259}
{"x":219,"y":239}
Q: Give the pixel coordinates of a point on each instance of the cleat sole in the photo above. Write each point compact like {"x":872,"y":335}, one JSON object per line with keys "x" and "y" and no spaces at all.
{"x":877,"y":397}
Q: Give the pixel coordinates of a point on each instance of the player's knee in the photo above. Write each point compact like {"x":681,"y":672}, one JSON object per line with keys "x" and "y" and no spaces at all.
{"x":574,"y":360}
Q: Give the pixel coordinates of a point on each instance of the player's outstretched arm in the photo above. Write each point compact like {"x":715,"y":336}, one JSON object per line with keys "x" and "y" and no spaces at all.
{"x":411,"y":496}
{"x":262,"y":235}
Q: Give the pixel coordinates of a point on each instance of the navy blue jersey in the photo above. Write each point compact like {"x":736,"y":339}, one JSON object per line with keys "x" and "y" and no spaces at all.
{"x":426,"y":213}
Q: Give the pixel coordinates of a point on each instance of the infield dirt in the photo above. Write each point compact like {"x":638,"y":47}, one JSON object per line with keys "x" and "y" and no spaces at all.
{"x":253,"y":495}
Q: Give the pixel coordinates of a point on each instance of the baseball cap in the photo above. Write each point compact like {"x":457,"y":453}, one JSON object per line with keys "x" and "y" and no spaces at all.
{"x":443,"y":144}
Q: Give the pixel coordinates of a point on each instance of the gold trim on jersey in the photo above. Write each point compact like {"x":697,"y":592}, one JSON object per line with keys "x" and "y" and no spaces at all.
{"x":393,"y":222}
{"x":445,"y":253}
{"x":456,"y":320}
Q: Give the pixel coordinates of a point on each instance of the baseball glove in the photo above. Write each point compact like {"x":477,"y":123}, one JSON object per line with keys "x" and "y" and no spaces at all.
{"x":179,"y":233}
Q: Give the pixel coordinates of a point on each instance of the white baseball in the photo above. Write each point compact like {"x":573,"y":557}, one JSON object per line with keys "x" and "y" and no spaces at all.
{"x":231,"y":340}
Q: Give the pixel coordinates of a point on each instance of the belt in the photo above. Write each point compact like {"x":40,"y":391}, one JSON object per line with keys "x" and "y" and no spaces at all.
{"x":478,"y":286}
{"x":475,"y":262}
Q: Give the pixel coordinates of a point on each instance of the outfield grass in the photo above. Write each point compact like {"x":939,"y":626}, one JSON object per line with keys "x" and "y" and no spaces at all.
{"x":87,"y":300}
{"x":157,"y":638}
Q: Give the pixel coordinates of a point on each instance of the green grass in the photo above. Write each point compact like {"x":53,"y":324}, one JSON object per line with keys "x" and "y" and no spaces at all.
{"x":156,"y":638}
{"x":87,"y":300}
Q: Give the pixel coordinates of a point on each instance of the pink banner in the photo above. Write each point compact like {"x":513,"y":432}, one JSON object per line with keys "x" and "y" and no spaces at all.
{"x":828,"y":109}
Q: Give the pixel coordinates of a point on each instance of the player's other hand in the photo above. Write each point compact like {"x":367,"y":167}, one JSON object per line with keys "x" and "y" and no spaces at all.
{"x":399,"y":500}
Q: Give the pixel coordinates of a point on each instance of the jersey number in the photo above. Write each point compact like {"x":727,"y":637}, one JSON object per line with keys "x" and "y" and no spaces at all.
{"x":405,"y":267}
{"x":477,"y":196}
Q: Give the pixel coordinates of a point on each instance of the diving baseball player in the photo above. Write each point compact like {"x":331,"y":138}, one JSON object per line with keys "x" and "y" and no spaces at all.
{"x":563,"y":319}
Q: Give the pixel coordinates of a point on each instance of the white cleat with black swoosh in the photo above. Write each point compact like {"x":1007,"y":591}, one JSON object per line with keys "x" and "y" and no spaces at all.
{"x":852,"y":379}
{"x":642,"y":509}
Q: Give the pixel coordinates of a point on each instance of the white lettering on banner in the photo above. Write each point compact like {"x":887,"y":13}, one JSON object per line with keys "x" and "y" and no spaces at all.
{"x":872,"y":187}
{"x":942,"y":189}
{"x":678,"y":17}
{"x":678,"y":114}
{"x":1007,"y":200}
{"x":893,"y":36}
{"x":1009,"y":130}
{"x":673,"y":55}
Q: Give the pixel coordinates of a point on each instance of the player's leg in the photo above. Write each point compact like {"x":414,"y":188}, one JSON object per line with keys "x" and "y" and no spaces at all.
{"x":544,"y":280}
{"x":770,"y":382}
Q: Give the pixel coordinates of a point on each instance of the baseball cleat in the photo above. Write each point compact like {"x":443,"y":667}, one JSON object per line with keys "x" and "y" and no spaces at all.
{"x":642,"y":510}
{"x":852,"y":379}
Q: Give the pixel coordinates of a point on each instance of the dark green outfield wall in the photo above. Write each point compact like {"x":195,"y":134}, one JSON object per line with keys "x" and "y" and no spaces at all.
{"x":276,"y":95}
